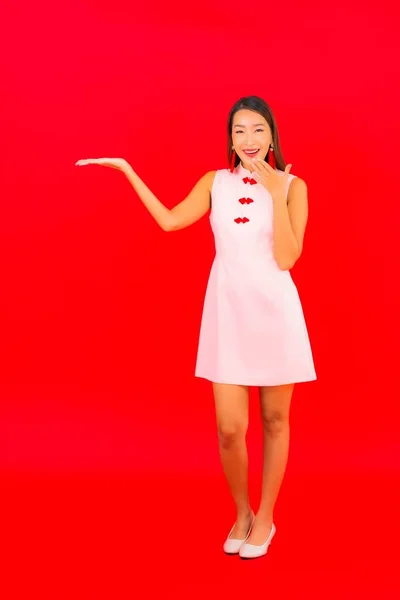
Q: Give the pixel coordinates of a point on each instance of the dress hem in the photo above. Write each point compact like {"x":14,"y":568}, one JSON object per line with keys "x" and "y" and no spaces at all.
{"x":256,"y":383}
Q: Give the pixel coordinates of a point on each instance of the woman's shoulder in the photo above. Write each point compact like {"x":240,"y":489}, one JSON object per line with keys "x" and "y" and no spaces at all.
{"x":291,"y":175}
{"x":206,"y":181}
{"x":212,"y":176}
{"x":282,"y":172}
{"x":218,"y":173}
{"x":297,"y":181}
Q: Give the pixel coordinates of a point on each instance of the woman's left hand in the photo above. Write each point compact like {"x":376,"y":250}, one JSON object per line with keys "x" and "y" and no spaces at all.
{"x":273,"y":182}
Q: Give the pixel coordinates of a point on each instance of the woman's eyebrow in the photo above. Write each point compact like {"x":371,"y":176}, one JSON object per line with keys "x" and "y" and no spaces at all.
{"x":256,"y":125}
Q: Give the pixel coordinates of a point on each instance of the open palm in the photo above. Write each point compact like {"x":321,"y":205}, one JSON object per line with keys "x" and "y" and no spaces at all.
{"x":113,"y":163}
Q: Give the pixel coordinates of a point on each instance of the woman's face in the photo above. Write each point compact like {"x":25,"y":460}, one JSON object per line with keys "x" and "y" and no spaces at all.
{"x":251,"y":136}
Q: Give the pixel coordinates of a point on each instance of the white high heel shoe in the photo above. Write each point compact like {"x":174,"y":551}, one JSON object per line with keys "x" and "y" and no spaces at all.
{"x":252,"y":551}
{"x":233,"y":545}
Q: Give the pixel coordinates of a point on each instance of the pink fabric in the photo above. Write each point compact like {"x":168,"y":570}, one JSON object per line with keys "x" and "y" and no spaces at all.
{"x":253,"y":330}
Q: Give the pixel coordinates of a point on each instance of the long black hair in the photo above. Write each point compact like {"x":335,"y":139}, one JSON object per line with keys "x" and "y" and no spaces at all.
{"x":259,"y":106}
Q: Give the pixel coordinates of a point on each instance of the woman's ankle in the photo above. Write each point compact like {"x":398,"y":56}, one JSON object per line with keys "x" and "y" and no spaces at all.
{"x":264,"y":516}
{"x":244,"y":512}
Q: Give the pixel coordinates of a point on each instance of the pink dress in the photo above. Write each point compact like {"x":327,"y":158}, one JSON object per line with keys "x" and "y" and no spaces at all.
{"x":253,"y":330}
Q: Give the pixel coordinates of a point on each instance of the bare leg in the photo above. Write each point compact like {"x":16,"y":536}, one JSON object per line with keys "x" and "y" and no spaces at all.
{"x":275,"y":407}
{"x":232,"y":411}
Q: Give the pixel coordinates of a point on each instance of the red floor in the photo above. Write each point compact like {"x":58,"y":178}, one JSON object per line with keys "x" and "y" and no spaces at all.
{"x":160,"y":537}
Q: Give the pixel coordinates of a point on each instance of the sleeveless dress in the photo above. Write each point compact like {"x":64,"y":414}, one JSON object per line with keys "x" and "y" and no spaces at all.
{"x":252,"y":330}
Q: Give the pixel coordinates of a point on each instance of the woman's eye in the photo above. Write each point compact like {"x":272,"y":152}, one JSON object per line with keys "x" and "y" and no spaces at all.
{"x":239,"y":131}
{"x":260,"y":130}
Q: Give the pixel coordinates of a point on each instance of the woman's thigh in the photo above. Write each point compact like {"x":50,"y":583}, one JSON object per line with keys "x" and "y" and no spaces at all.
{"x":275,"y":402}
{"x":231,"y":406}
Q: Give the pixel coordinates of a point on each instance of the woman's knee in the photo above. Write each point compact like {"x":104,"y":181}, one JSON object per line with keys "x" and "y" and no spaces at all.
{"x":231,"y":434}
{"x":275,"y":422}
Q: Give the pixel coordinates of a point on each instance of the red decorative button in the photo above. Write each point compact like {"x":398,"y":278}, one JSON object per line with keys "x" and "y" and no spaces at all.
{"x":245,"y":200}
{"x":240,"y":220}
{"x":249,"y":180}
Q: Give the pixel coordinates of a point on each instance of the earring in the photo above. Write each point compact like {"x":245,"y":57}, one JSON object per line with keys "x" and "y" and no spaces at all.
{"x":233,"y":158}
{"x":271,"y":157}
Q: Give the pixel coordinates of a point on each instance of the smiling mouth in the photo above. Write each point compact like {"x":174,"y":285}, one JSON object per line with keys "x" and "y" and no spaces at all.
{"x":251,"y":152}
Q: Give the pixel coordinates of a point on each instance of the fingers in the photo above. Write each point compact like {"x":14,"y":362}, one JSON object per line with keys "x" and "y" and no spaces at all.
{"x":265,"y":169}
{"x":86,"y":161}
{"x":114,"y":163}
{"x":258,"y":177}
{"x":264,"y":166}
{"x":256,"y":166}
{"x":258,"y":173}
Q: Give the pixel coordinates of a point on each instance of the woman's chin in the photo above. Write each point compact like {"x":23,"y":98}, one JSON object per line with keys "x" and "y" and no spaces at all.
{"x":247,"y":164}
{"x":247,"y":160}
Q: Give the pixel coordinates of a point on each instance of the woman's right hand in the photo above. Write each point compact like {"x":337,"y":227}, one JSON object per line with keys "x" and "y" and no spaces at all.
{"x":113,"y":163}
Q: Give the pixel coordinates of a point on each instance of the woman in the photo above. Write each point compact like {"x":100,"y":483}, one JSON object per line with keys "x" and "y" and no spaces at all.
{"x":253,"y":331}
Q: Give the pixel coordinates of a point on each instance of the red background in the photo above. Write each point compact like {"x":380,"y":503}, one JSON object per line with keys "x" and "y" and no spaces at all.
{"x":104,"y":431}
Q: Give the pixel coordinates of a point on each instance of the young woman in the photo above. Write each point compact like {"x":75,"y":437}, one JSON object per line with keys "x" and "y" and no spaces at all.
{"x":253,"y":331}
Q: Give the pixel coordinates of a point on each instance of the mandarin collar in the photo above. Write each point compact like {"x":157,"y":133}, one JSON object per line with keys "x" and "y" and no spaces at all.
{"x":242,"y":172}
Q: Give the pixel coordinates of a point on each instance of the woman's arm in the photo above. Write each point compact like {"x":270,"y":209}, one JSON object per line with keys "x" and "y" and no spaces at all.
{"x":187,"y":212}
{"x":290,"y":220}
{"x":290,"y":211}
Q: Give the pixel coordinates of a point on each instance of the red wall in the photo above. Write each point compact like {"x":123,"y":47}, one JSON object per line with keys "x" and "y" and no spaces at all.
{"x":100,"y":310}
